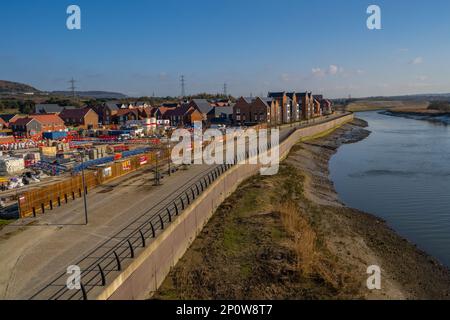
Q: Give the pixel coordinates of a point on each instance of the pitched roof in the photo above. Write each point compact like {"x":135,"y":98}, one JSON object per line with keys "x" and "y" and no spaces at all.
{"x":267,"y":101}
{"x":47,"y":118}
{"x":50,"y":108}
{"x":291,"y":95}
{"x":163,"y":110}
{"x":203,"y":105}
{"x":7,"y":117}
{"x":249,"y":100}
{"x":301,"y":94}
{"x":318,"y":97}
{"x":219,"y":111}
{"x":74,"y":113}
{"x":276,"y":94}
{"x":170,"y":104}
{"x":180,"y":111}
{"x":113,"y":105}
{"x":140,"y":103}
{"x":22,"y":121}
{"x":122,"y":112}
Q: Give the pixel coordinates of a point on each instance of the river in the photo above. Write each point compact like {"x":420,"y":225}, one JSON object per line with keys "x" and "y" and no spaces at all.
{"x":400,"y":173}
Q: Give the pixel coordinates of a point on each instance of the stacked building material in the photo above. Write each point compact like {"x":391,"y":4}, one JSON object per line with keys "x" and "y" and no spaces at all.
{"x":48,"y":151}
{"x":9,"y":165}
{"x":32,"y":158}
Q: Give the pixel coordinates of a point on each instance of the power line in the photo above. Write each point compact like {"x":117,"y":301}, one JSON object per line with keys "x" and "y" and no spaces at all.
{"x":72,"y":86}
{"x":225,"y":89}
{"x":183,"y":86}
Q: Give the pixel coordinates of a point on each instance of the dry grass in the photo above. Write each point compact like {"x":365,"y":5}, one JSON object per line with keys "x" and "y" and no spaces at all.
{"x":314,"y":260}
{"x":368,"y":105}
{"x":304,"y":236}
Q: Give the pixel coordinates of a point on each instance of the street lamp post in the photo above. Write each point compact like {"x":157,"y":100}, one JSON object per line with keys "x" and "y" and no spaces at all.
{"x":169,"y":158}
{"x":156,"y":170}
{"x":84,"y":187}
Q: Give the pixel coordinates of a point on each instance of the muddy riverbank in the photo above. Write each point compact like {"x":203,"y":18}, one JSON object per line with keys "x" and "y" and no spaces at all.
{"x":289,"y":237}
{"x":427,"y":115}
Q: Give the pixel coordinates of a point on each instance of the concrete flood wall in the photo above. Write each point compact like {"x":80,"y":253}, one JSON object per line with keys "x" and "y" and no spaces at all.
{"x":147,"y":272}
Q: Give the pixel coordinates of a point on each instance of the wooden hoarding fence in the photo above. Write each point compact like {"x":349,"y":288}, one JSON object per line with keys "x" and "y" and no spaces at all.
{"x":47,"y":198}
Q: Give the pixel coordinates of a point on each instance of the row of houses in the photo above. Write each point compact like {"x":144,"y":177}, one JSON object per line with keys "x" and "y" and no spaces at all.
{"x":277,"y":108}
{"x":178,"y":114}
{"x":52,"y":117}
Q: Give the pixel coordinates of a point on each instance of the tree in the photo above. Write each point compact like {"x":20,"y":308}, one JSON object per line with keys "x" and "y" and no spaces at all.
{"x":26,"y":107}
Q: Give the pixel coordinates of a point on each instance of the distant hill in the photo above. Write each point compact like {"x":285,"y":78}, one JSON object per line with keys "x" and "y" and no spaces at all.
{"x":91,"y":94}
{"x":8,"y":87}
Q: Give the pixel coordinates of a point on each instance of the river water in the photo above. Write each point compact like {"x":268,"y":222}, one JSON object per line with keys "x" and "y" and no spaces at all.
{"x":400,"y":173}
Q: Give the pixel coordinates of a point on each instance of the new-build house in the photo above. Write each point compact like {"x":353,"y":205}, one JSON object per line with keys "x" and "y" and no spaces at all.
{"x":37,"y":124}
{"x":241,"y":110}
{"x":296,"y":114}
{"x":250,"y":111}
{"x":201,"y":105}
{"x":106,"y":111}
{"x":220,"y":115}
{"x":326,"y":107}
{"x":183,"y":115}
{"x":306,"y":102}
{"x":85,"y":118}
{"x":122,"y":116}
{"x":285,"y":104}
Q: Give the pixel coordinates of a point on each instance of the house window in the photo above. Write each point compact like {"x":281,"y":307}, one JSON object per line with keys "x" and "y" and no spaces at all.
{"x":238,"y":117}
{"x":238,"y":111}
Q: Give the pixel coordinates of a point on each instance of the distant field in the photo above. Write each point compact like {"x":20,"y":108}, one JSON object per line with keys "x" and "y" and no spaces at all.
{"x":395,"y":105}
{"x":9,"y":111}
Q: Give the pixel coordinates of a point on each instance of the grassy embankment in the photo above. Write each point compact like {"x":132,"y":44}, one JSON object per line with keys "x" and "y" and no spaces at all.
{"x":405,"y":106}
{"x":263,"y":242}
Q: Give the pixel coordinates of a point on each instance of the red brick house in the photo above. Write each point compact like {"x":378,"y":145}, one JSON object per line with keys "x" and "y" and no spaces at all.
{"x":201,"y":105}
{"x":184,"y":115}
{"x":85,"y":118}
{"x":107,"y":111}
{"x":285,"y":104}
{"x":37,"y":124}
{"x":306,"y":102}
{"x":317,"y":111}
{"x":124,"y":115}
{"x":241,"y":110}
{"x":326,"y":106}
{"x":296,"y":114}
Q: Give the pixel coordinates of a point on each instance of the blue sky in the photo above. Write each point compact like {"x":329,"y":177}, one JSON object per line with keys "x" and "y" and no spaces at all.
{"x":143,"y":46}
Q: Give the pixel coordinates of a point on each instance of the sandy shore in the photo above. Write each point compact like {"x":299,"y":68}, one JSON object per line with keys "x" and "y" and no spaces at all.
{"x":289,"y":237}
